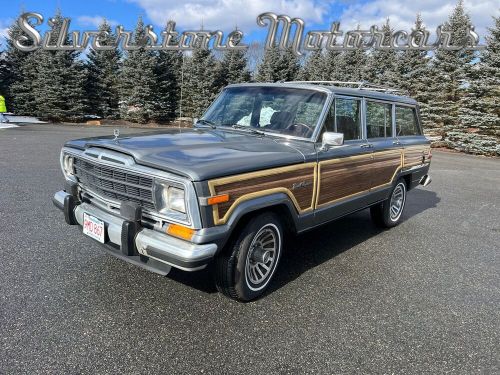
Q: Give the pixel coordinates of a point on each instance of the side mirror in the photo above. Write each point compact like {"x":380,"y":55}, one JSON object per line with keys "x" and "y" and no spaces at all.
{"x":195,"y":120}
{"x":332,"y":139}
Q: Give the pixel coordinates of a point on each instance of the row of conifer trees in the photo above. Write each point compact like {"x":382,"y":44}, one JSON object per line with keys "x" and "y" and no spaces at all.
{"x":458,"y":91}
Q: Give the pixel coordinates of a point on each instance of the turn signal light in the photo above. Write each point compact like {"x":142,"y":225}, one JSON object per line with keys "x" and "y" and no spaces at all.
{"x":180,"y":231}
{"x":218,"y":199}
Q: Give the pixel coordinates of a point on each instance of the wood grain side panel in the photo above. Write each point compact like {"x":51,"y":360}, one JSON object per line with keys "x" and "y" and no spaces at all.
{"x":343,"y":178}
{"x":255,"y":184}
{"x":384,"y":167}
{"x":416,"y":155}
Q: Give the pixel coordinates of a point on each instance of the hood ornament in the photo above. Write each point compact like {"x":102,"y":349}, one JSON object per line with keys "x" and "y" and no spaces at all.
{"x":116,"y":133}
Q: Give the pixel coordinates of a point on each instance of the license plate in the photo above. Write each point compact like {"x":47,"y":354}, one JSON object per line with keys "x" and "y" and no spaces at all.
{"x":93,"y":227}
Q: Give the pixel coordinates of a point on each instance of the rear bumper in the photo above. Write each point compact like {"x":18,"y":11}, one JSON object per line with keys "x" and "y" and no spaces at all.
{"x":129,"y":241}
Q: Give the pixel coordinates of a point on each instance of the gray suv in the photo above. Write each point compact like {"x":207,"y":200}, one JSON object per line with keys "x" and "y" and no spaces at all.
{"x":265,"y":162}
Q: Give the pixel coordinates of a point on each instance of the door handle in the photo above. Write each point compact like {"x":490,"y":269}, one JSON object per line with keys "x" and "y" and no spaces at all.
{"x":367,"y":145}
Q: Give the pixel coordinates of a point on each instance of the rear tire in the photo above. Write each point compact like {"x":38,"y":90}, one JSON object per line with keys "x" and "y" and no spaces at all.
{"x":387,"y":214}
{"x":244,"y":270}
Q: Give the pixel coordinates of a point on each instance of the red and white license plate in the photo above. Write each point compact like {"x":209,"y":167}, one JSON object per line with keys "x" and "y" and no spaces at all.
{"x":93,"y":227}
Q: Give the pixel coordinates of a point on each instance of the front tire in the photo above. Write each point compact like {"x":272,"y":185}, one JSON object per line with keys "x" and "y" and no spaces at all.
{"x":244,"y":270}
{"x":388,"y":213}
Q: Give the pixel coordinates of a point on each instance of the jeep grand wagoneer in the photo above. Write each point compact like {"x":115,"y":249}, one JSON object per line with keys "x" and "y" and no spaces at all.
{"x":264,"y":162}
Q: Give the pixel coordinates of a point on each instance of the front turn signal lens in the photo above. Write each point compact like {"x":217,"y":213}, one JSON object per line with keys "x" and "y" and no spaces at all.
{"x":180,"y":231}
{"x":218,"y":199}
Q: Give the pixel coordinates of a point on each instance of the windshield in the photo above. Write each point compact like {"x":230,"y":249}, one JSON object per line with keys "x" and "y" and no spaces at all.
{"x":277,"y":110}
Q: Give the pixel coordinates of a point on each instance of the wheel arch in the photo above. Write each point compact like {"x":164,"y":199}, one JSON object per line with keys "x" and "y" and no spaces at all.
{"x":279,"y":204}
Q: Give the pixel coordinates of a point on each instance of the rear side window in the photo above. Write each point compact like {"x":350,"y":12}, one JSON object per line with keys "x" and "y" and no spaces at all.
{"x":348,"y":118}
{"x":406,"y":121}
{"x":378,"y":120}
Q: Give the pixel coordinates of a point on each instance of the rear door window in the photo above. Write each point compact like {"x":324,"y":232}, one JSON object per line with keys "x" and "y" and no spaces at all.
{"x":348,"y":118}
{"x":406,"y":121}
{"x":378,"y":119}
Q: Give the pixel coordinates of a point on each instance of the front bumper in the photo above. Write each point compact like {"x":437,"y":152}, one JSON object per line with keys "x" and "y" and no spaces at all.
{"x":129,"y":241}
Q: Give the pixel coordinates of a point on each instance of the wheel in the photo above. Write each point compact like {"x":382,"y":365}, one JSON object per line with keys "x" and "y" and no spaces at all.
{"x":244,"y":270}
{"x":388,"y":213}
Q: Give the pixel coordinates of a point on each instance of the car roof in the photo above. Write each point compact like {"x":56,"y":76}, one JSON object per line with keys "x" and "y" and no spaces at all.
{"x":348,"y":91}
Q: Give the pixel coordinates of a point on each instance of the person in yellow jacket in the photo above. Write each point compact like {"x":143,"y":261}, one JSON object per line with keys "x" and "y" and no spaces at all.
{"x":3,"y":109}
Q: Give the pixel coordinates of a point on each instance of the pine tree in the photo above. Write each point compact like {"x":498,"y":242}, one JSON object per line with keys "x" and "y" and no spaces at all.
{"x":268,"y":70}
{"x":480,"y":107}
{"x":58,"y":81}
{"x":200,"y":85}
{"x":138,"y":81}
{"x":20,"y":68}
{"x":314,"y":68}
{"x":278,"y":65}
{"x":233,"y":68}
{"x":414,"y":74}
{"x":332,"y":65}
{"x":169,"y":82}
{"x":450,"y":67}
{"x":103,"y":73}
{"x":382,"y":63}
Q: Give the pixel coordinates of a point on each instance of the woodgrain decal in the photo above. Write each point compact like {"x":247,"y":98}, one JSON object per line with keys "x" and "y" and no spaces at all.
{"x":416,"y":155}
{"x":347,"y":177}
{"x":343,"y":177}
{"x":312,"y":185}
{"x":385,"y":165}
{"x":297,"y":181}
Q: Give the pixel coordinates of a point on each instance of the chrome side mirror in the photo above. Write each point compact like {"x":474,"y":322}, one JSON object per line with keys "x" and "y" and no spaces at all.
{"x":331,"y":139}
{"x":195,"y":120}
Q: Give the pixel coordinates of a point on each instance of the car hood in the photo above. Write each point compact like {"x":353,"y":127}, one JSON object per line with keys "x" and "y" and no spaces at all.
{"x":202,"y":154}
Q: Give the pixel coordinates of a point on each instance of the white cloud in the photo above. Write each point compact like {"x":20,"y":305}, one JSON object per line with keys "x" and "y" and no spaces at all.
{"x":94,"y":21}
{"x":402,"y":13}
{"x":226,"y":14}
{"x":4,"y":29}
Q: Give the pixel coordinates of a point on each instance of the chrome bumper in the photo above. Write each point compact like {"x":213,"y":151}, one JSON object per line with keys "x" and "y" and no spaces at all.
{"x":158,"y":251}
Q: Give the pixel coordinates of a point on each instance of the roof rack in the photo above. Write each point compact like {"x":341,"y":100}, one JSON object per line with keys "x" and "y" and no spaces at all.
{"x":360,"y":85}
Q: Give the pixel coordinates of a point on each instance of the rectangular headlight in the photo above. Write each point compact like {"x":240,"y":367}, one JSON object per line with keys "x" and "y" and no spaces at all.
{"x":169,"y":198}
{"x":176,"y":199}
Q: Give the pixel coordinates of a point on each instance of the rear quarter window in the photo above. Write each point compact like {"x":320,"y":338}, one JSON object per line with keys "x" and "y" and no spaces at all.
{"x":406,"y":121}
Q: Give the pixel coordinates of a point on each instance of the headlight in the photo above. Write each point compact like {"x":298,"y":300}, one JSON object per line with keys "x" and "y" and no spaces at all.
{"x":176,"y":199}
{"x":170,"y":198}
{"x":68,"y":167}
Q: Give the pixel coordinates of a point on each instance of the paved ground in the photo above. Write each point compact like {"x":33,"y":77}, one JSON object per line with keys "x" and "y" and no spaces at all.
{"x":420,"y":298}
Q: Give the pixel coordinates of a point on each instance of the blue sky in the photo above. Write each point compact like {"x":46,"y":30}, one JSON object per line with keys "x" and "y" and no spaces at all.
{"x":226,"y":14}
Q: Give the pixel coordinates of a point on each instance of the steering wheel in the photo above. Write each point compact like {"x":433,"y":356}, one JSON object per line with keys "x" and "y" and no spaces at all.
{"x":305,"y":130}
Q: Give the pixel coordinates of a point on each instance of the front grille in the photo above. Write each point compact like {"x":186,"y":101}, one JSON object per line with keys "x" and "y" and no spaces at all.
{"x":114,"y":183}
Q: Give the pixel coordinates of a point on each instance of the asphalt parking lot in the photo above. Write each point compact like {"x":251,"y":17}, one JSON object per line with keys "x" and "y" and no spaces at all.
{"x":423,"y":297}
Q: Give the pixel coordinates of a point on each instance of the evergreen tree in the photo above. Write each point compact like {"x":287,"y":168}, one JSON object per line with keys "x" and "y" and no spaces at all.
{"x":20,"y":71}
{"x":233,"y":68}
{"x":382,"y":63}
{"x":450,"y":67}
{"x":480,"y":107}
{"x":57,"y":79}
{"x":169,"y":82}
{"x":138,"y":81}
{"x":332,"y":65}
{"x":278,"y":65}
{"x":415,"y":75}
{"x":103,"y":73}
{"x":314,"y":68}
{"x":200,"y":84}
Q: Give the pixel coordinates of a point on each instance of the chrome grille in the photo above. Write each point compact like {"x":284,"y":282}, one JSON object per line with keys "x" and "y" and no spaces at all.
{"x":114,"y":183}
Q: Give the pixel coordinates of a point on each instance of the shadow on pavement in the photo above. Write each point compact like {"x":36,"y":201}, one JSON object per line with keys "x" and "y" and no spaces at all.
{"x":319,"y":245}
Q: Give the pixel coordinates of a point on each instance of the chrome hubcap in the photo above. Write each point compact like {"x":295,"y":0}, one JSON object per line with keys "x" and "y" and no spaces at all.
{"x":262,"y":256}
{"x":397,"y":202}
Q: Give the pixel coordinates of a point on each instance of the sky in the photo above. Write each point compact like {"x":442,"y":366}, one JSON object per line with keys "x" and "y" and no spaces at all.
{"x":226,"y":15}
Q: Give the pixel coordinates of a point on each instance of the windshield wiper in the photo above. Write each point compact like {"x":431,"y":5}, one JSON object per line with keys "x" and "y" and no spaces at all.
{"x":206,"y":122}
{"x":247,"y":128}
